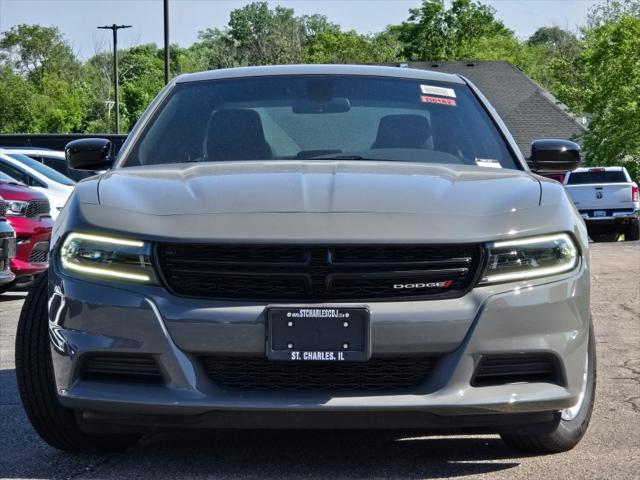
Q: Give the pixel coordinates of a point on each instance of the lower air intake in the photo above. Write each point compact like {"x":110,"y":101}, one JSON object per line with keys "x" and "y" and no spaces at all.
{"x":517,"y":368}
{"x":260,"y":374}
{"x":121,"y":368}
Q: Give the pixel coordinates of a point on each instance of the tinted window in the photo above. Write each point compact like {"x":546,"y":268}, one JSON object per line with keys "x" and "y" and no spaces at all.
{"x":581,"y":178}
{"x":42,"y":169}
{"x":14,"y":173}
{"x":314,"y":117}
{"x":7,"y":178}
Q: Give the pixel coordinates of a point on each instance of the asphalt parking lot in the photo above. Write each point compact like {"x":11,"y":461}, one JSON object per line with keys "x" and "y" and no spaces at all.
{"x":611,"y":448}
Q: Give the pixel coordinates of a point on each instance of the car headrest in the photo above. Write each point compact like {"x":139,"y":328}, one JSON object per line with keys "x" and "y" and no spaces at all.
{"x":402,"y":131}
{"x":236,"y":134}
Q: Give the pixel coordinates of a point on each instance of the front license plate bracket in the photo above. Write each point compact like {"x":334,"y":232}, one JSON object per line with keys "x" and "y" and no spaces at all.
{"x":312,"y":334}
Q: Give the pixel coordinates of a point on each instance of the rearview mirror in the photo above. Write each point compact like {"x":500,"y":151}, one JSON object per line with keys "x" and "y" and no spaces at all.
{"x":554,"y":154}
{"x":334,"y":105}
{"x":89,"y":154}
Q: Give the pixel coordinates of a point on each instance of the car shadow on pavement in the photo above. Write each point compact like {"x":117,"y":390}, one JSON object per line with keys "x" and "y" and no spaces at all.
{"x":310,"y":454}
{"x":250,"y":454}
{"x":8,"y":297}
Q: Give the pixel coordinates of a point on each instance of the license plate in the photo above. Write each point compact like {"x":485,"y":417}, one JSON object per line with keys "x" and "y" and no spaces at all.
{"x":599,"y":213}
{"x":318,"y":334}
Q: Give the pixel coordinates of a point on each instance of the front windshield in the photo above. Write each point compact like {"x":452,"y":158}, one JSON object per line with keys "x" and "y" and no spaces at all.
{"x":48,"y":172}
{"x":307,"y":117}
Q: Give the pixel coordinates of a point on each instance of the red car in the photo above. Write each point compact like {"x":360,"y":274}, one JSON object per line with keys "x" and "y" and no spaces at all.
{"x":7,"y":246}
{"x":28,"y":212}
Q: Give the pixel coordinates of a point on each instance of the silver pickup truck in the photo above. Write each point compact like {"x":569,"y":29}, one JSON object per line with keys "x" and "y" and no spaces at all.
{"x":607,"y":199}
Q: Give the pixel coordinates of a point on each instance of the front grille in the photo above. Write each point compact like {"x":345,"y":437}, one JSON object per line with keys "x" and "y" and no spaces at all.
{"x":260,"y":374}
{"x":303,"y":273}
{"x":3,"y":208}
{"x":7,"y":250}
{"x":38,"y":207}
{"x":121,"y":368}
{"x":517,"y":368}
{"x":39,"y":253}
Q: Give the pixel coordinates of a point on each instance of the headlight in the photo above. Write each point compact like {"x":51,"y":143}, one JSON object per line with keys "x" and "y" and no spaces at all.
{"x":526,"y":258}
{"x":17,"y":207}
{"x":107,"y":257}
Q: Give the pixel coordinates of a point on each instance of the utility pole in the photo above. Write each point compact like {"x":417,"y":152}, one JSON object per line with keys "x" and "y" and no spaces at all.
{"x":166,"y":41}
{"x":114,"y":28}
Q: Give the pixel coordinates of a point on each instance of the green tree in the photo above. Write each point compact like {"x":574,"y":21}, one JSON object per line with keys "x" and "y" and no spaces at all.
{"x":433,"y":32}
{"x":552,"y":57}
{"x":557,"y":41}
{"x":313,"y":25}
{"x":34,"y":51}
{"x":611,"y":11}
{"x":141,"y":77}
{"x":41,"y":57}
{"x":215,"y":49}
{"x":264,"y":37}
{"x":351,"y":47}
{"x":16,"y":112}
{"x":611,"y":73}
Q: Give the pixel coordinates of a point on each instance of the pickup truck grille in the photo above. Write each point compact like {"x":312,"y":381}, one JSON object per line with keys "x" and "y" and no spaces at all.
{"x":39,"y":253}
{"x":319,"y":273}
{"x":3,"y":208}
{"x":37,"y":208}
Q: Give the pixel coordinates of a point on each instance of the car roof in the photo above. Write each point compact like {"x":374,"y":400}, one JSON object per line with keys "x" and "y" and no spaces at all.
{"x":21,"y":166}
{"x":33,"y":151}
{"x":606,"y":169}
{"x":363,"y":70}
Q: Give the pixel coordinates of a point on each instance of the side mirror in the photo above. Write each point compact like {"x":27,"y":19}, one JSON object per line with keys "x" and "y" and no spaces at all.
{"x":89,"y":154}
{"x":552,"y":154}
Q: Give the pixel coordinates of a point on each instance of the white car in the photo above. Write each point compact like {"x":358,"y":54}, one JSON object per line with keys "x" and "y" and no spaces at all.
{"x":34,"y":174}
{"x":53,"y":159}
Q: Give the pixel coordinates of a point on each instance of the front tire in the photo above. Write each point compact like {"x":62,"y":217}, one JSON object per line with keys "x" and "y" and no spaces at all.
{"x":572,"y":425}
{"x":55,"y":424}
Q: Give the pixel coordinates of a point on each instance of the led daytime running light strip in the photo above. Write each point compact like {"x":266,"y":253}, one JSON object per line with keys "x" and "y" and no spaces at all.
{"x":540,"y":272}
{"x":532,"y":240}
{"x":102,"y":239}
{"x":104,"y":272}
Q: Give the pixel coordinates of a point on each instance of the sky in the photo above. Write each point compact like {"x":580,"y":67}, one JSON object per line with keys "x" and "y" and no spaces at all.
{"x":78,"y":19}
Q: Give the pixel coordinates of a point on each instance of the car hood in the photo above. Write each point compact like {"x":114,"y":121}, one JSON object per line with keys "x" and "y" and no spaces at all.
{"x":318,"y":187}
{"x":17,"y":191}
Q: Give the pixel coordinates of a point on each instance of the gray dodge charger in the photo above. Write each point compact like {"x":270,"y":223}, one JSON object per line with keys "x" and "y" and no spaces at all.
{"x":304,"y":247}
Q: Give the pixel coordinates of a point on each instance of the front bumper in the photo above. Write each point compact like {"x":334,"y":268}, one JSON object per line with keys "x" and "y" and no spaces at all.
{"x":30,"y":234}
{"x":87,"y":318}
{"x":614,"y":217}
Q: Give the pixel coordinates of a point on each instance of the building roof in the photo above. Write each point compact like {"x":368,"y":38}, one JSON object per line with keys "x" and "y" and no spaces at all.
{"x":529,"y":111}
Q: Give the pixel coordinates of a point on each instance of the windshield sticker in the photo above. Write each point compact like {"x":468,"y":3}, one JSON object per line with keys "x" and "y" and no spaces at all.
{"x":433,"y":90}
{"x":438,"y":100}
{"x":488,"y":162}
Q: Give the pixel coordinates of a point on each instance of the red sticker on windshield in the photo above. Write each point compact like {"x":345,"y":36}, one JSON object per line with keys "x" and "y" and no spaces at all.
{"x":440,"y":101}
